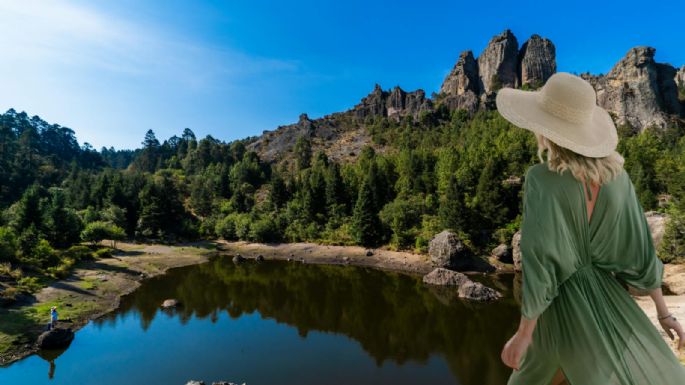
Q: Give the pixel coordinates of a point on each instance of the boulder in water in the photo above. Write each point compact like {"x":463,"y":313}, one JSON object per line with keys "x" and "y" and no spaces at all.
{"x":466,"y":288}
{"x":238,"y":259}
{"x":57,"y":338}
{"x":260,"y":258}
{"x":170,"y":303}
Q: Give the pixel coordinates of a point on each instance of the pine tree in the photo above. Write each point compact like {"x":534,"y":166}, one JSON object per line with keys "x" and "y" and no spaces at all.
{"x":366,"y":226}
{"x":453,"y":212}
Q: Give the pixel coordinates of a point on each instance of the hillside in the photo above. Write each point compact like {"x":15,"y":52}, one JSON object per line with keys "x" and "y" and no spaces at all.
{"x":638,"y":91}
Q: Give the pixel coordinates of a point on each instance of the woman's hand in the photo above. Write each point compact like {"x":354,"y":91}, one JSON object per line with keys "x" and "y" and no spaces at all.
{"x":670,"y":324}
{"x":515,"y":348}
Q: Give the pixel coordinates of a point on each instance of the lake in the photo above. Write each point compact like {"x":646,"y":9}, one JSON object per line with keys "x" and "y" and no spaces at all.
{"x":279,"y":322}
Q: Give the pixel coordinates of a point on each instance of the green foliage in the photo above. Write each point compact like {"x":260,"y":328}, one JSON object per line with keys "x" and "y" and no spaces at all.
{"x":672,"y":247}
{"x":97,"y":231}
{"x":28,"y":285}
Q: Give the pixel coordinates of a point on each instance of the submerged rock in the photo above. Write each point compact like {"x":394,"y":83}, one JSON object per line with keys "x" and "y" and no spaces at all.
{"x":238,"y":259}
{"x":169,"y":303}
{"x":57,"y":338}
{"x":260,"y":258}
{"x":465,"y":287}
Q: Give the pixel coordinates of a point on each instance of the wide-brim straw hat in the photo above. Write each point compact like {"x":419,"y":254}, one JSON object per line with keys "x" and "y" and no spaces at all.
{"x":565,"y":111}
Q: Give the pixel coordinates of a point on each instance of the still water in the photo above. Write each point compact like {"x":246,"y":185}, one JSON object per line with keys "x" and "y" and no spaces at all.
{"x":280,"y":322}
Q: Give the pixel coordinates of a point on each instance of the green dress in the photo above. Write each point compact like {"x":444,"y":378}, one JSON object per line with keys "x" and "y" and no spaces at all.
{"x":589,"y":326}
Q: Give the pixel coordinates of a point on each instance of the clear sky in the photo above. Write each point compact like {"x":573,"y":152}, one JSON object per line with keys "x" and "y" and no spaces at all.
{"x":111,"y":70}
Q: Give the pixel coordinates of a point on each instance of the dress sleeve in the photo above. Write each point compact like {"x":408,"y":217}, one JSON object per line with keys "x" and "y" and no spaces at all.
{"x":539,"y":250}
{"x":639,"y":265}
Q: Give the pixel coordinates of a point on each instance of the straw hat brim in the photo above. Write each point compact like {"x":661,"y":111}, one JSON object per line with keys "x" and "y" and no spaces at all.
{"x":596,"y":138}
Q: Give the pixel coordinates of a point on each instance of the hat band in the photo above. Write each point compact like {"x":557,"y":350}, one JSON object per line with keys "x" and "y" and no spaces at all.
{"x":563,"y":111}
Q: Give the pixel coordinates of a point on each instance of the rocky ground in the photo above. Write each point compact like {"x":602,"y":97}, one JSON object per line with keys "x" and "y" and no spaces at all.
{"x":93,"y":289}
{"x":401,"y":261}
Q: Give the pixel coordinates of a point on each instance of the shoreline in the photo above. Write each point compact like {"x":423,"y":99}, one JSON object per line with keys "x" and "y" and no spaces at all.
{"x":95,"y":288}
{"x":92,"y":290}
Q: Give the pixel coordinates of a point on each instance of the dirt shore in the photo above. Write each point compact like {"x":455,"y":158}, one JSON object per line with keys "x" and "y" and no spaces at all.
{"x":400,"y":261}
{"x":92,"y":290}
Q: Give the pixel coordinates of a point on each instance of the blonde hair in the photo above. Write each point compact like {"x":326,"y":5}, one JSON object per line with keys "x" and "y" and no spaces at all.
{"x":583,"y":168}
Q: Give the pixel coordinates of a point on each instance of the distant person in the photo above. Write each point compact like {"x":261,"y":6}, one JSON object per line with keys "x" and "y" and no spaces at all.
{"x":53,"y":318}
{"x":578,"y":324}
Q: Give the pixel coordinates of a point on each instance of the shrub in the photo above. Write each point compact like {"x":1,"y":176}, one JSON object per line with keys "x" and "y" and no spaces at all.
{"x":78,"y":253}
{"x":104,"y":252}
{"x":28,"y":285}
{"x":100,"y":230}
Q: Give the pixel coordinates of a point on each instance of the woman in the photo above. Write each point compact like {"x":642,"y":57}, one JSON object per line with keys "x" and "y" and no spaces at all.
{"x":583,"y":236}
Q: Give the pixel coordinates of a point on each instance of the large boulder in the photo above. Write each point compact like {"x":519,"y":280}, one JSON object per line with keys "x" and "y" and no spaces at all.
{"x":466,"y":288}
{"x":57,"y":338}
{"x":445,"y":249}
{"x":537,"y":61}
{"x":448,"y":251}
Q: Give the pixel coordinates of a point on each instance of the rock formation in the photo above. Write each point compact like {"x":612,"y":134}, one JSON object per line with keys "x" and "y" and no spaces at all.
{"x":639,"y":91}
{"x":461,"y":86}
{"x":537,"y":62}
{"x":498,"y":63}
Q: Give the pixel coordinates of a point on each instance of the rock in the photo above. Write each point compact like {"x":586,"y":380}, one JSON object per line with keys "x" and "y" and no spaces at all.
{"x":674,"y":278}
{"x":369,"y":253}
{"x":461,"y":88}
{"x":57,"y":338}
{"x":238,"y":259}
{"x":191,"y":382}
{"x":445,"y":277}
{"x":260,"y":258}
{"x":657,"y":226}
{"x":478,"y":292}
{"x":516,"y":250}
{"x":445,"y":248}
{"x":497,"y":64}
{"x":502,"y":253}
{"x":448,"y":251}
{"x":638,"y":90}
{"x":170,"y":303}
{"x":537,"y":62}
{"x":465,"y":287}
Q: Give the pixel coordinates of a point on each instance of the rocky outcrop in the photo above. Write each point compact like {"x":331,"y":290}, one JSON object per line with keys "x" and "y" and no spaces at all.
{"x":57,"y":338}
{"x":461,"y":86}
{"x":657,"y":226}
{"x":639,"y":91}
{"x":497,"y":64}
{"x":466,"y":288}
{"x":537,"y":62}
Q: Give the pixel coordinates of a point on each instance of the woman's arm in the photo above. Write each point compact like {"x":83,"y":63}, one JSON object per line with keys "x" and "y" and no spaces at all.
{"x":518,"y":343}
{"x":669,"y":324}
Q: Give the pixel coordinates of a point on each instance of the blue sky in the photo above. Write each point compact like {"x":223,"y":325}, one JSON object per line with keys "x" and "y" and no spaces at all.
{"x":111,"y":70}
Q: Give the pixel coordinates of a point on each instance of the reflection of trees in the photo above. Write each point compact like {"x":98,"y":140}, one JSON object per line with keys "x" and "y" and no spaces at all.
{"x":393,"y":316}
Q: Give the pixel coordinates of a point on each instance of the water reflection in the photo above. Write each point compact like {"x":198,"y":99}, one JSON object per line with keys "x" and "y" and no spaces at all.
{"x":394,"y":317}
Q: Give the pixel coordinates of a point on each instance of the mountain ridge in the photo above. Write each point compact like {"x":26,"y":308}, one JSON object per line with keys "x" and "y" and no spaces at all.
{"x":638,"y":91}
